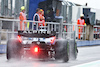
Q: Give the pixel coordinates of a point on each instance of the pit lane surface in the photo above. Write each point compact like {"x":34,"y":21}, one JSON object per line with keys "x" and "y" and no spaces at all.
{"x":86,"y":55}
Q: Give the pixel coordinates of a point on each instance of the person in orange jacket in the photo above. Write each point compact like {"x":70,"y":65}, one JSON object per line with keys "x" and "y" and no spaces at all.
{"x":42,"y":18}
{"x":22,"y":16}
{"x":80,"y":22}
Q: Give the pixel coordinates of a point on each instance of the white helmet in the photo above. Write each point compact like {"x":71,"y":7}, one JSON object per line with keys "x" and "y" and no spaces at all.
{"x":82,"y":15}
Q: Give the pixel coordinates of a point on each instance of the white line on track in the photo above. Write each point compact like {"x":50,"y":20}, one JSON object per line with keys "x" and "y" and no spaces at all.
{"x":90,"y":64}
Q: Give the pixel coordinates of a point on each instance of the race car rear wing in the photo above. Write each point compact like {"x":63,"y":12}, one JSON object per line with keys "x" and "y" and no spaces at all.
{"x":38,"y":34}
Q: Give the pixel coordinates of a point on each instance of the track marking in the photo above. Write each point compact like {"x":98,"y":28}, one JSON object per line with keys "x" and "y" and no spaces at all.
{"x":90,"y":64}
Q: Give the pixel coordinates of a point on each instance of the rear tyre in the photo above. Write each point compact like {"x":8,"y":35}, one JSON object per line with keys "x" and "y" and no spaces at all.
{"x":14,"y":48}
{"x":62,"y":50}
{"x":73,"y":49}
{"x":66,"y":53}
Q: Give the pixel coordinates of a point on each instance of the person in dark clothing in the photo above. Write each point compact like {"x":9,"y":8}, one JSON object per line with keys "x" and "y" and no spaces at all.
{"x":36,"y":17}
{"x":87,"y":20}
{"x":50,"y":15}
{"x":89,"y":29}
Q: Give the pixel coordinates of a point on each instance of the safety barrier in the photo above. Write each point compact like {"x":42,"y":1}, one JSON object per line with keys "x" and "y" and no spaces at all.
{"x":2,"y":48}
{"x":88,"y":43}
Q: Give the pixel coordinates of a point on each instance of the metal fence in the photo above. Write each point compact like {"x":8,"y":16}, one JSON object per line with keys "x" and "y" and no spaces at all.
{"x":49,"y":26}
{"x":96,"y":32}
{"x":63,"y":30}
{"x":72,"y":30}
{"x":7,"y":33}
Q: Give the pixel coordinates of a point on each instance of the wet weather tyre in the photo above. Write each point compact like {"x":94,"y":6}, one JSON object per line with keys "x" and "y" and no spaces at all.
{"x":62,"y":50}
{"x":13,"y":49}
{"x":65,"y":54}
{"x":73,"y":49}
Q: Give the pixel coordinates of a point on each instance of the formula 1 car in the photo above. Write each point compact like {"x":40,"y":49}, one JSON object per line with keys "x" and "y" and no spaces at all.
{"x":41,"y":45}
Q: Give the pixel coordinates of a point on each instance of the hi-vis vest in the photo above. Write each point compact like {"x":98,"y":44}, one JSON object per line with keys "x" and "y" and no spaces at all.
{"x":81,"y":21}
{"x":23,"y":17}
{"x":35,"y":15}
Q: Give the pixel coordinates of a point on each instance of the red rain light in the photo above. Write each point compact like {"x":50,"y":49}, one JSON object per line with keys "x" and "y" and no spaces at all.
{"x":36,"y":49}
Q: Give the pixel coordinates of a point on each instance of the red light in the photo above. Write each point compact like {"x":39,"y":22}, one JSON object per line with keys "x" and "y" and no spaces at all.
{"x":52,"y":41}
{"x":36,"y":49}
{"x":19,"y":38}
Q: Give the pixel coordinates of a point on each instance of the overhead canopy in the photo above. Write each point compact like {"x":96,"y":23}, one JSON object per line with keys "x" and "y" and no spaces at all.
{"x":90,"y":3}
